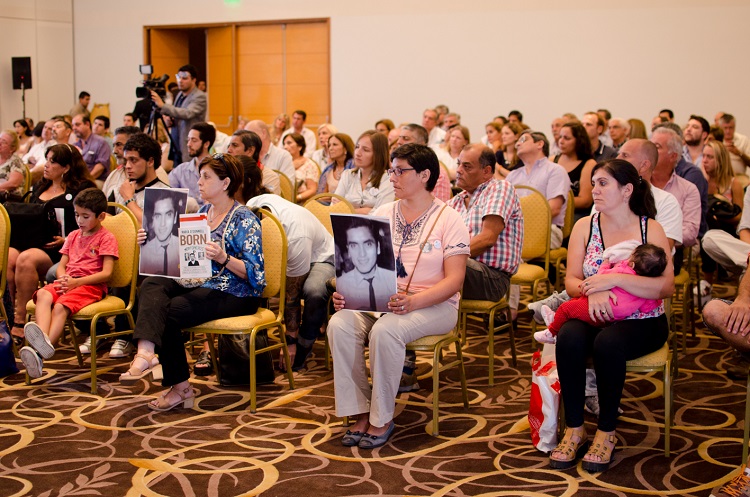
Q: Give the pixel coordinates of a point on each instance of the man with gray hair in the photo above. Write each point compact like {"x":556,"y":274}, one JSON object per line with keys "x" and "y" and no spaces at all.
{"x":272,"y":156}
{"x":619,"y":131}
{"x":451,"y":119}
{"x":436,"y":135}
{"x":737,"y":145}
{"x":414,"y":133}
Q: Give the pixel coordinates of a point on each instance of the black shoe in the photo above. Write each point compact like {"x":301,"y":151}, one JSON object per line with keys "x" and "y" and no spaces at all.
{"x":738,"y":372}
{"x":301,"y":356}
{"x":203,"y":366}
{"x":500,"y":321}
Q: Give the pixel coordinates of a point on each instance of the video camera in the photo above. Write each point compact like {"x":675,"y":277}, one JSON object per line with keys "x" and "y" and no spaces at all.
{"x":158,"y":85}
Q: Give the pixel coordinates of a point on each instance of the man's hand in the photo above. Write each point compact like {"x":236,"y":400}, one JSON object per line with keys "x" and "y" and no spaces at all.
{"x":738,"y":319}
{"x":157,"y":99}
{"x":127,"y":190}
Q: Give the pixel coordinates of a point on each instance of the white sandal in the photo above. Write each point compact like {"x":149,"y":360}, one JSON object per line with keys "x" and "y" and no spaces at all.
{"x":135,"y":373}
{"x":186,"y":398}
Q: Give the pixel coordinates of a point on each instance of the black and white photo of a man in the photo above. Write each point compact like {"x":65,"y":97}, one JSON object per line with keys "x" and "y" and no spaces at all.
{"x":366,"y":274}
{"x":160,"y":254}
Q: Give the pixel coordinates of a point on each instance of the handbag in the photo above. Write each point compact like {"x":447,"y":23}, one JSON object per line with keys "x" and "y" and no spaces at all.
{"x":234,"y":360}
{"x":7,"y":359}
{"x":33,"y":224}
{"x":721,"y":209}
{"x":544,"y":402}
{"x":196,"y":282}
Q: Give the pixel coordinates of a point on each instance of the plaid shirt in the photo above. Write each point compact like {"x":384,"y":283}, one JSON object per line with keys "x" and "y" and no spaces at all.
{"x":497,"y":198}
{"x":442,"y":189}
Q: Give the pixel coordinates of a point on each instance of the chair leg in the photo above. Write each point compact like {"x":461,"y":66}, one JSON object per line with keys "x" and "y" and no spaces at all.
{"x":253,"y":385}
{"x":435,"y":391}
{"x":491,"y":348}
{"x":746,"y":431}
{"x":667,"y":405}
{"x":287,"y":360}
{"x":214,"y":356}
{"x":462,"y":374}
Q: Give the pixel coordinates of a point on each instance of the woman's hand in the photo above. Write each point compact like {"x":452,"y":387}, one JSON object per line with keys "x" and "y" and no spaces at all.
{"x":338,"y":301}
{"x":600,"y":308}
{"x":598,"y":283}
{"x":401,"y":303}
{"x":215,"y":252}
{"x":141,"y":236}
{"x":57,"y":241}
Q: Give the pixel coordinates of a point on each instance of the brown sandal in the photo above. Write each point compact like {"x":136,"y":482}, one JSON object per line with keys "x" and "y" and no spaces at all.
{"x":602,"y":448}
{"x":572,"y":447}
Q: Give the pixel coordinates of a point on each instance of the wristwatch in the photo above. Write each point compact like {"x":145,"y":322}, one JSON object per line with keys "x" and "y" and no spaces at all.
{"x":224,"y":264}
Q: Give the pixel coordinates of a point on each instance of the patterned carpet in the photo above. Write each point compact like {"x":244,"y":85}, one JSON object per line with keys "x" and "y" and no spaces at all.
{"x":57,"y":439}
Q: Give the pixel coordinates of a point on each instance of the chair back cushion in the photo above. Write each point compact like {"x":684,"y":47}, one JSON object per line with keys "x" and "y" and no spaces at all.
{"x":322,"y":210}
{"x":274,"y":254}
{"x":536,"y":224}
{"x":123,"y":227}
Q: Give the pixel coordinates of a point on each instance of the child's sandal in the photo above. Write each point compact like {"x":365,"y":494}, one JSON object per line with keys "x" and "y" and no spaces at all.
{"x":572,"y":447}
{"x":602,"y":452}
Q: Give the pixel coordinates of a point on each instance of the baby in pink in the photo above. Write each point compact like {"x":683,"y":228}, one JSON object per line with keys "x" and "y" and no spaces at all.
{"x":645,"y":260}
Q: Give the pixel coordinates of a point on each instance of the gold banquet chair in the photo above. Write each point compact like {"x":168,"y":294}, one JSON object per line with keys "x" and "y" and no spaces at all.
{"x":559,"y":256}
{"x":287,"y":188}
{"x":321,"y":210}
{"x":274,"y":254}
{"x":125,"y":228}
{"x":537,"y":221}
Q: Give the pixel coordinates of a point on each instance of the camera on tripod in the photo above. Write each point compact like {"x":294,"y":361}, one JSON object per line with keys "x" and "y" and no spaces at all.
{"x":158,"y":85}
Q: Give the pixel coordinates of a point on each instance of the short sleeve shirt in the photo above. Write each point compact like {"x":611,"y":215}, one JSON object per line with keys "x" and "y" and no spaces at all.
{"x":547,"y":177}
{"x":86,"y":253}
{"x":14,"y":164}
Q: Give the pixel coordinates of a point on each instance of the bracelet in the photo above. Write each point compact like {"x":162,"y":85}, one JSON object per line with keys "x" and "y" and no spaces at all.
{"x":290,"y":340}
{"x":224,"y":264}
{"x":131,"y":199}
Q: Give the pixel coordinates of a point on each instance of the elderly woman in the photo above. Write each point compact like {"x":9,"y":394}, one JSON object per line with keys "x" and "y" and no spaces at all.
{"x":426,"y":302}
{"x":306,"y":173}
{"x":11,"y":165}
{"x":237,"y":282}
{"x":340,"y":152}
{"x":320,"y":156}
{"x":366,"y":186}
{"x":626,"y":209}
{"x":576,"y":158}
{"x":65,"y":174}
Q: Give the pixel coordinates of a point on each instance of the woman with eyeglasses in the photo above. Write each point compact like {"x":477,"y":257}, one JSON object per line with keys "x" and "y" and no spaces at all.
{"x":234,"y":289}
{"x":431,"y":246}
{"x":366,"y":186}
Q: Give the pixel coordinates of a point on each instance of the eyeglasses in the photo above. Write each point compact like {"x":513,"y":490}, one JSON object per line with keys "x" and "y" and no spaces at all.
{"x":182,"y":75}
{"x":522,"y":139}
{"x":399,"y":171}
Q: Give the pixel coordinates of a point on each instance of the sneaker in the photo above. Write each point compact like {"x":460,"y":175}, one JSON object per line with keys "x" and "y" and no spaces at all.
{"x":553,"y":302}
{"x":545,"y":336}
{"x":121,"y":348}
{"x":38,"y":340}
{"x":739,"y":486}
{"x":409,"y":382}
{"x":31,"y":361}
{"x":705,"y":293}
{"x":548,"y":315}
{"x":85,"y":347}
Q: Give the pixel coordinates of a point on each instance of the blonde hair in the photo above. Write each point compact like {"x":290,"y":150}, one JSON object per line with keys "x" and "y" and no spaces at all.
{"x":14,"y":143}
{"x":723,"y":172}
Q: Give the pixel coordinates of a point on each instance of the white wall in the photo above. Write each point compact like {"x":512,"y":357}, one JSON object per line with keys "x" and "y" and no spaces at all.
{"x":394,"y":58}
{"x":42,"y":30}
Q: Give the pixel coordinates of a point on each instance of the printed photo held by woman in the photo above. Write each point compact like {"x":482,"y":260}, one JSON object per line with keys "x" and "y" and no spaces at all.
{"x":237,"y":282}
{"x":432,"y":245}
{"x":626,"y":211}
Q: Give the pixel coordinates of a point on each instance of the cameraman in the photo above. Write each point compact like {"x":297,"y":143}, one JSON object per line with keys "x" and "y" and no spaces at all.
{"x":189,"y":108}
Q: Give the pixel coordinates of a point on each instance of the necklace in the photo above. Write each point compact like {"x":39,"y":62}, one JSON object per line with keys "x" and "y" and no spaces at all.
{"x":406,"y":234}
{"x":213,"y":216}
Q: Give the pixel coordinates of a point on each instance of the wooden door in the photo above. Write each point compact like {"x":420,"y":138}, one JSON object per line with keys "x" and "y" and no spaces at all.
{"x":260,"y":79}
{"x":167,"y":51}
{"x":220,"y":78}
{"x":307,"y":71}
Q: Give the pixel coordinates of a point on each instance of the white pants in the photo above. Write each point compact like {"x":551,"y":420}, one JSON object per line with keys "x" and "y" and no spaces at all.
{"x":726,"y":250}
{"x":388,"y":335}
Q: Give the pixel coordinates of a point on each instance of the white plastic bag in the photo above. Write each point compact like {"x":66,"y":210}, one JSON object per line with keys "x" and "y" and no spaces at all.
{"x":544,"y":403}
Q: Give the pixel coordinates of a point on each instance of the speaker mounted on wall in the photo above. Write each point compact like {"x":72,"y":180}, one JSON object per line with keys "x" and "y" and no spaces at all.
{"x":21,"y":73}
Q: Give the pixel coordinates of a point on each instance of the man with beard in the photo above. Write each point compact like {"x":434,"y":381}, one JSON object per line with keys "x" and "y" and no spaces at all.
{"x":695,"y":135}
{"x":142,"y":157}
{"x":199,"y":141}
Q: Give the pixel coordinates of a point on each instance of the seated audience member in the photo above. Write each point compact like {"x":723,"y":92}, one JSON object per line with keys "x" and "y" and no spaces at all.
{"x":414,"y":133}
{"x":625,"y":211}
{"x":309,"y":265}
{"x":737,"y":145}
{"x":555,"y":128}
{"x":427,"y":302}
{"x":200,"y":139}
{"x":441,"y":110}
{"x":450,"y":120}
{"x":65,"y":174}
{"x":118,"y":176}
{"x":25,"y":136}
{"x":299,"y":117}
{"x":367,"y":186}
{"x":515,"y":116}
{"x":667,"y":114}
{"x":166,"y":307}
{"x":435,"y":134}
{"x":280,"y":124}
{"x":88,"y":258}
{"x":492,"y":137}
{"x":491,"y":211}
{"x":619,"y":131}
{"x":456,"y":139}
{"x":341,"y":154}
{"x":249,"y":144}
{"x":129,"y":119}
{"x":695,"y":135}
{"x":595,"y":127}
{"x":306,"y":172}
{"x":271,"y":156}
{"x":11,"y":166}
{"x":320,"y":156}
{"x":94,"y":148}
{"x":644,"y":260}
{"x":575,"y":157}
{"x":384,"y":126}
{"x":506,"y":156}
{"x":37,"y":154}
{"x":100,"y":127}
{"x":637,"y":129}
{"x":719,"y":243}
{"x":82,"y":107}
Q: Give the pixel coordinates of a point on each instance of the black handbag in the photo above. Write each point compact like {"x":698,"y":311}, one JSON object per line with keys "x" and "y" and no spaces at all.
{"x":234,"y":360}
{"x":33,"y":225}
{"x":7,"y":360}
{"x":722,"y":210}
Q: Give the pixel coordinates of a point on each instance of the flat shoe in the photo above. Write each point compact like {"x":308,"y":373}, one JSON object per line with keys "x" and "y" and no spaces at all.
{"x":351,"y":438}
{"x":203,"y":366}
{"x":373,"y":441}
{"x":38,"y":340}
{"x":187,"y":397}
{"x":128,"y":377}
{"x":31,"y":361}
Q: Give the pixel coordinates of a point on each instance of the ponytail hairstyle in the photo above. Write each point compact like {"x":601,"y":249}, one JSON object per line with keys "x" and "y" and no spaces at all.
{"x":642,"y":200}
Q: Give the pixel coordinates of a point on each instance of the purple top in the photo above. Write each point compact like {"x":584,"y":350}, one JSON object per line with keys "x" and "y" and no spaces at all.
{"x":95,"y":151}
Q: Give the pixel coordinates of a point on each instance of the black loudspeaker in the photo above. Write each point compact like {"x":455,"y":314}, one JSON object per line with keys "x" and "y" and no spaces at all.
{"x":21,"y":72}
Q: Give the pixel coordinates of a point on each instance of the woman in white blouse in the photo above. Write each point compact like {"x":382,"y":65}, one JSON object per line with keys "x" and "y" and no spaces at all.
{"x":306,"y":172}
{"x":367,"y":185}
